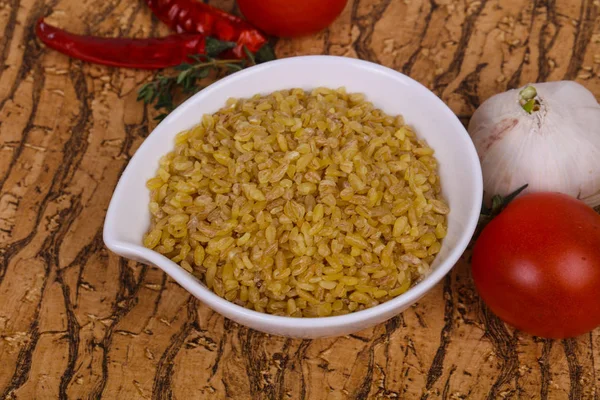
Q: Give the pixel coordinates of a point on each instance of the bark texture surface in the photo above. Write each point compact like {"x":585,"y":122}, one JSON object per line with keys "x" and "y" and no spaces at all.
{"x":79,"y":322}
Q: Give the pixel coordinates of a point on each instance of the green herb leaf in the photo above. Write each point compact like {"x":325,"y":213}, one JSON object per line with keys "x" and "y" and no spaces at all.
{"x":192,"y":90}
{"x":141,"y":93}
{"x":165,"y":100}
{"x":202,"y":73}
{"x":214,"y":47}
{"x":183,"y":75}
{"x":265,"y":54}
{"x":151,"y":96}
{"x":198,"y":57}
{"x":183,"y":67}
{"x":234,"y":67}
{"x":145,"y":92}
{"x":250,"y":56}
{"x":161,"y":116}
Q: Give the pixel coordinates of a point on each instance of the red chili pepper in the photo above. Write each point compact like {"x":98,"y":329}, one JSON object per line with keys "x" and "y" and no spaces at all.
{"x":153,"y":53}
{"x":195,"y":16}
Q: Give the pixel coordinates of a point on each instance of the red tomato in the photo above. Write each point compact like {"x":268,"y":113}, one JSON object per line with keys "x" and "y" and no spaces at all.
{"x":291,"y":18}
{"x":537,"y":265}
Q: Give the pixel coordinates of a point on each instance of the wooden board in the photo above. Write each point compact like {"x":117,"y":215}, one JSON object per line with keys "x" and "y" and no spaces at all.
{"x":79,"y":322}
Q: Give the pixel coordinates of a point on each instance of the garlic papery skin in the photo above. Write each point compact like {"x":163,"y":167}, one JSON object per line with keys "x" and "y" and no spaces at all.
{"x":555,"y":148}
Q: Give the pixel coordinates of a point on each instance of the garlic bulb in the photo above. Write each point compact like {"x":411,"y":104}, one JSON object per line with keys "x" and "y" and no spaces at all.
{"x":546,"y":135}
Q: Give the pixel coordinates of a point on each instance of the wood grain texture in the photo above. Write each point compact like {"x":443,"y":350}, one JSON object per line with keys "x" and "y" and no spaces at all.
{"x":79,"y":322}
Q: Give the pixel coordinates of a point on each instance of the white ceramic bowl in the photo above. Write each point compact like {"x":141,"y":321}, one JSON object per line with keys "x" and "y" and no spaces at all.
{"x":128,"y":218}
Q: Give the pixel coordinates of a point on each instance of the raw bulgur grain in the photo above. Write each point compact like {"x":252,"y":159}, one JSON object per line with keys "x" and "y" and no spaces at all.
{"x":305,"y":204}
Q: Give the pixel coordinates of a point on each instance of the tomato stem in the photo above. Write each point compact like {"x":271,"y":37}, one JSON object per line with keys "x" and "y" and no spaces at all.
{"x":499,"y":203}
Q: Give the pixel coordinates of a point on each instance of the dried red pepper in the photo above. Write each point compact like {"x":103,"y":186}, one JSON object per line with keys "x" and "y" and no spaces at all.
{"x":198,"y":17}
{"x":152,"y":53}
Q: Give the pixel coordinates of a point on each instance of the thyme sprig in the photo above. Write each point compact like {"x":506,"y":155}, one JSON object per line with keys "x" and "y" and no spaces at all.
{"x":165,"y":91}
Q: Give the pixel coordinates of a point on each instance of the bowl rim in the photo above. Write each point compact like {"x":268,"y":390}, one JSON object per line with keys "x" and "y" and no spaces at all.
{"x":212,"y":300}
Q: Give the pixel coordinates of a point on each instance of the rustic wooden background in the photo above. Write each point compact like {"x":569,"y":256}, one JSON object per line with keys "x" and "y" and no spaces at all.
{"x":79,"y":322}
